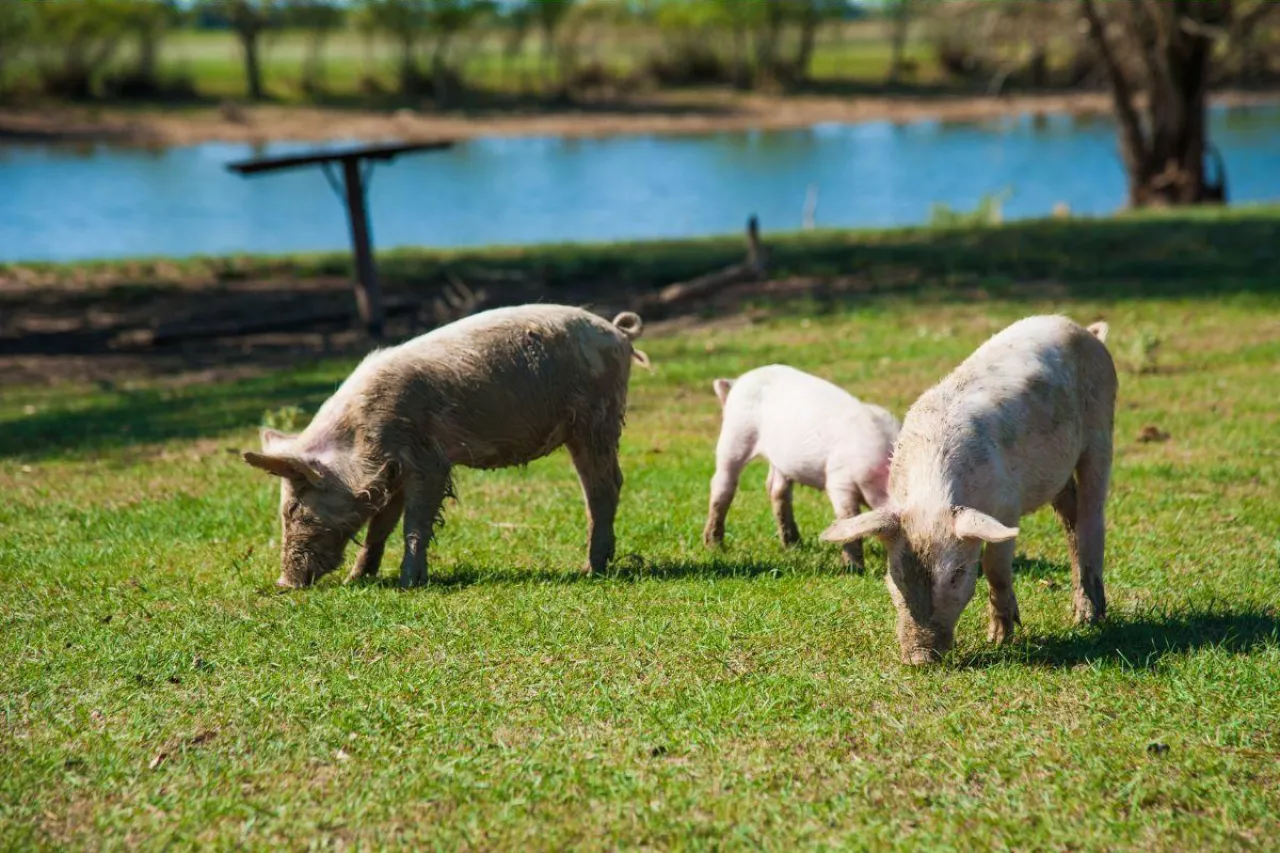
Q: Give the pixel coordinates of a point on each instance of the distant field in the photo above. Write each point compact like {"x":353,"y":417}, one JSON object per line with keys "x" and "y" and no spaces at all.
{"x":157,"y":693}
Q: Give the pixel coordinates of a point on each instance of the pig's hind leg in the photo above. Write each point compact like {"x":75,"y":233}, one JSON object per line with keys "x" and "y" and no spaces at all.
{"x":375,"y":538}
{"x":733,"y":452}
{"x":780,"y":495}
{"x":1093,"y":474}
{"x":595,"y":456}
{"x":847,"y":501}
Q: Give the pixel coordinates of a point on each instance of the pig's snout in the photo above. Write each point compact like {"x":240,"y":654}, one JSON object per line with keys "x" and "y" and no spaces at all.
{"x":286,"y":581}
{"x":921,"y":647}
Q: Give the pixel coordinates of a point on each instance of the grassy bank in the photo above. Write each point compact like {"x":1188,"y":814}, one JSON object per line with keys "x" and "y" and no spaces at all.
{"x":157,"y":692}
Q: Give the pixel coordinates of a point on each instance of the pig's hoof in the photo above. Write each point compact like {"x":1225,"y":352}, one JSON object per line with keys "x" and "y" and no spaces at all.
{"x":1087,"y":614}
{"x":921,"y":657}
{"x":1001,"y":630}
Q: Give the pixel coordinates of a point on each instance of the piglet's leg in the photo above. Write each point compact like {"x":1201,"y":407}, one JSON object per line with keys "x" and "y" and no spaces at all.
{"x":375,"y":539}
{"x":997,"y":565}
{"x":425,"y":488}
{"x":780,"y":494}
{"x":846,"y":500}
{"x":597,"y":465}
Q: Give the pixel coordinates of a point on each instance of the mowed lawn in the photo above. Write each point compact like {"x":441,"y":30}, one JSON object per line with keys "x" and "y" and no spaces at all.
{"x":157,"y":691}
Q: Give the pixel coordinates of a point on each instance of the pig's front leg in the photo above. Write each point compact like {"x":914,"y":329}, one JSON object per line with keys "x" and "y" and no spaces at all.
{"x":425,"y":488}
{"x":375,"y":539}
{"x":997,"y":565}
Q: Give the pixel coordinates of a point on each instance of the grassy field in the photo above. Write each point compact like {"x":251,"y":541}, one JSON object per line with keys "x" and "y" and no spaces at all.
{"x":158,"y":692}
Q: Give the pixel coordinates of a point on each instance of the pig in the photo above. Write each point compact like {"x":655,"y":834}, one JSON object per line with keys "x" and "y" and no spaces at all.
{"x":812,"y":433}
{"x":1025,"y":421}
{"x":499,"y":388}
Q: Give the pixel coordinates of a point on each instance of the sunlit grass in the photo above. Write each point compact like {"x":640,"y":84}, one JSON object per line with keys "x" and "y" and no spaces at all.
{"x":156,"y":691}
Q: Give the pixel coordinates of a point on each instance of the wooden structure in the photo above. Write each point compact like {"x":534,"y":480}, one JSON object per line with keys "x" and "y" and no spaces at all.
{"x":352,"y":191}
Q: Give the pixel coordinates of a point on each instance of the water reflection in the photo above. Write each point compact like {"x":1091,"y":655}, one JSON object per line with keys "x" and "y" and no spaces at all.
{"x":100,"y":200}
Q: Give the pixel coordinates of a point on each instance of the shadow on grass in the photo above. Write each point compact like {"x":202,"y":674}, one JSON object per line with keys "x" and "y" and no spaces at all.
{"x":1140,"y":641}
{"x":113,"y":418}
{"x":1199,"y":255}
{"x":1038,"y":568}
{"x":629,"y":569}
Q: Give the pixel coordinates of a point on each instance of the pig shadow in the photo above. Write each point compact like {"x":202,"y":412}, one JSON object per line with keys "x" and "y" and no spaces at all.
{"x":1138,"y":641}
{"x":628,"y":569}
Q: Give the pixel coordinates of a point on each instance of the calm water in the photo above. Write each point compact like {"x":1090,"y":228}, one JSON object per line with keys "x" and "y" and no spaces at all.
{"x":60,"y":203}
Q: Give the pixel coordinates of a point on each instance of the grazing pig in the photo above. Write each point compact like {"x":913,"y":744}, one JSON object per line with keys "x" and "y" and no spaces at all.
{"x":500,"y":388}
{"x":1024,"y":421}
{"x":811,"y":433}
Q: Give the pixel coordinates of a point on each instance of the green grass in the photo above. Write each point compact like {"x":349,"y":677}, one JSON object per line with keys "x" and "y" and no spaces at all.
{"x":157,"y":692}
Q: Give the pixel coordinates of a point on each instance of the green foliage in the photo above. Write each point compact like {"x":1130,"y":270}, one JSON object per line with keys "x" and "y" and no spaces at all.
{"x":989,"y":211}
{"x":285,"y":419}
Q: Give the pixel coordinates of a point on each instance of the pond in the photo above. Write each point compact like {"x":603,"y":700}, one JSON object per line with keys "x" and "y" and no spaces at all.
{"x":70,"y":203}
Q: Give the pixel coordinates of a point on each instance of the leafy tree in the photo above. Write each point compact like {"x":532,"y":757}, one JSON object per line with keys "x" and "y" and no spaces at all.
{"x":404,"y":21}
{"x":76,"y":40}
{"x":319,"y":19}
{"x":250,"y":19}
{"x":17,"y":22}
{"x":148,"y":21}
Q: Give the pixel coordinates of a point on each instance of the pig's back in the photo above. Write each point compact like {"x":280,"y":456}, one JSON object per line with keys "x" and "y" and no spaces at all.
{"x":801,"y":420}
{"x":506,"y":386}
{"x":1016,"y":411}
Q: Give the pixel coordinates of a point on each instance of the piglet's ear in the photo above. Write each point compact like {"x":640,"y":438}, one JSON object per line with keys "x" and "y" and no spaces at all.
{"x":879,"y":522}
{"x":978,"y":526}
{"x":290,"y":467}
{"x":273,"y":440}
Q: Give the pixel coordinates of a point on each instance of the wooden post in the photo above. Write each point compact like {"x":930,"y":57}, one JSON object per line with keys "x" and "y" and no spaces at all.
{"x":368,"y":291}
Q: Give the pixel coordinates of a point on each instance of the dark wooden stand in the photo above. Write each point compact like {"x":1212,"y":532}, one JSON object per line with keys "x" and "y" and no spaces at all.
{"x":353,"y":192}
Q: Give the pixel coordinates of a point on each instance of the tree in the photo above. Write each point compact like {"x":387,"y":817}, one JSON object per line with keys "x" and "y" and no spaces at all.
{"x":16,"y":23}
{"x":899,"y":13}
{"x":250,"y":19}
{"x":319,"y":19}
{"x":77,"y":40}
{"x":148,"y":21}
{"x":404,"y":21}
{"x":1164,"y":51}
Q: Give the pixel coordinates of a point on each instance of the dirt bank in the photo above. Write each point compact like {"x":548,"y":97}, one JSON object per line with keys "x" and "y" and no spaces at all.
{"x":666,"y":113}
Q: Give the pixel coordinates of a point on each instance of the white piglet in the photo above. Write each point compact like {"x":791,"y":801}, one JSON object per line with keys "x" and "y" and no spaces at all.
{"x":812,"y":433}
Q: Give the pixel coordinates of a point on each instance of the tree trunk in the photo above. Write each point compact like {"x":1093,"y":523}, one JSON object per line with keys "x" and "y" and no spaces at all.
{"x":1164,"y":150}
{"x":767,"y":42}
{"x":900,"y":14}
{"x":252,"y":65}
{"x":808,"y":36}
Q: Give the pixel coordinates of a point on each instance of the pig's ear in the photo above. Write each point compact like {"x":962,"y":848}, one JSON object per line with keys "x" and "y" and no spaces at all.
{"x":290,"y":467}
{"x":722,"y":388}
{"x":973,"y":525}
{"x":273,"y":439}
{"x":879,"y":522}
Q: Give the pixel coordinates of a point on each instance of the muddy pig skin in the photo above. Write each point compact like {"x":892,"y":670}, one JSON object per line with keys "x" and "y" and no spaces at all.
{"x":500,"y":388}
{"x":811,"y":432}
{"x":1023,"y":422}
